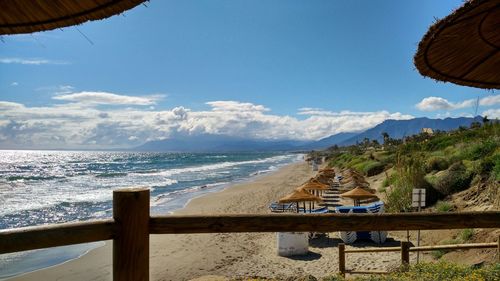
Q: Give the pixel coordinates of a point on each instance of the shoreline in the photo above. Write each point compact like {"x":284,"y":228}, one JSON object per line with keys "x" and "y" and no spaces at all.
{"x":103,"y":253}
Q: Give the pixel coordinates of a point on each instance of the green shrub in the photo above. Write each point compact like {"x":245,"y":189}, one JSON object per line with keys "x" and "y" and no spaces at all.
{"x":373,"y":168}
{"x":434,"y":272}
{"x":409,"y":174}
{"x":443,"y":206}
{"x":466,"y":234}
{"x":437,"y":254}
{"x":481,"y":150}
{"x":455,"y":178}
{"x":436,"y":163}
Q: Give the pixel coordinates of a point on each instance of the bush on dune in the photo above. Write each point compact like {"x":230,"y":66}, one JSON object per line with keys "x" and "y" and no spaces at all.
{"x":455,"y":178}
{"x":433,"y":272}
{"x":436,"y":163}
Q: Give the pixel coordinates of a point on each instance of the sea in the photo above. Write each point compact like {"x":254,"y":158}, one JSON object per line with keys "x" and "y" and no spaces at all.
{"x":45,"y":187}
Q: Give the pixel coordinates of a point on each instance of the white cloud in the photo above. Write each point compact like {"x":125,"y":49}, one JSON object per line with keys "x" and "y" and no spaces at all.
{"x":30,"y":61}
{"x":235,"y":106}
{"x":14,"y":84}
{"x":492,"y":113}
{"x":107,"y":98}
{"x":490,"y":100}
{"x":438,"y":103}
{"x":89,"y":125}
{"x":7,"y":105}
{"x":64,"y":89}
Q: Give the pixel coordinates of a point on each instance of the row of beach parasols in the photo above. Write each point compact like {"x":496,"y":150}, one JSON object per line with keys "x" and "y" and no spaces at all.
{"x":312,"y":191}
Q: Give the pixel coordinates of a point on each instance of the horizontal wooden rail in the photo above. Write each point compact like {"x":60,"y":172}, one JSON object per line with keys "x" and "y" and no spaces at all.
{"x":374,"y":250}
{"x":405,"y":250}
{"x":29,"y":238}
{"x":367,"y":272}
{"x":45,"y":236}
{"x":454,"y":247}
{"x":131,"y":226}
{"x":321,"y":223}
{"x":425,"y":248}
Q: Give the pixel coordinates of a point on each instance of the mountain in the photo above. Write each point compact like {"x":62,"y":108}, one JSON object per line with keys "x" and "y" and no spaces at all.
{"x":398,"y":129}
{"x":328,"y":141}
{"x":219,"y":143}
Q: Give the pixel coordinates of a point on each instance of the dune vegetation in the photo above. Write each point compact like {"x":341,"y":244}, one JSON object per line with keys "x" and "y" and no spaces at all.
{"x":443,"y":163}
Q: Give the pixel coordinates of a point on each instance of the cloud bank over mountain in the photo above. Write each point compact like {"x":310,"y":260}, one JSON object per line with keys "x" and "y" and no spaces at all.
{"x":438,"y":103}
{"x":111,"y":120}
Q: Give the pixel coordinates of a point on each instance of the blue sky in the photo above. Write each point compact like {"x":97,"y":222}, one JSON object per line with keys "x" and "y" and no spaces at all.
{"x":272,"y":69}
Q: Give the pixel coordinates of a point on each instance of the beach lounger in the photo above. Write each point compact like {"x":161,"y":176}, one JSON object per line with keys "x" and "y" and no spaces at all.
{"x":350,"y":237}
{"x":276,"y":207}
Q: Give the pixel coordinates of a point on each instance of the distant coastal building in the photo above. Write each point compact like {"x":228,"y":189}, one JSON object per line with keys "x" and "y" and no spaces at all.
{"x":428,"y":131}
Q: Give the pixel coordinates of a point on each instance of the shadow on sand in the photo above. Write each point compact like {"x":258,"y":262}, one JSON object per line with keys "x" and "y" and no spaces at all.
{"x":324,"y":241}
{"x":310,"y":256}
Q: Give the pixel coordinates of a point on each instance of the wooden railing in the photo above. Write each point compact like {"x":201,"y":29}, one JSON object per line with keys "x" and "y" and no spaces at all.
{"x":132,"y":224}
{"x":405,"y":250}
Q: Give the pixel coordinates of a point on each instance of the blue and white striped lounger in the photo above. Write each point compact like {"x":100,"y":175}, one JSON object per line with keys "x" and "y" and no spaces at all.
{"x":350,"y":236}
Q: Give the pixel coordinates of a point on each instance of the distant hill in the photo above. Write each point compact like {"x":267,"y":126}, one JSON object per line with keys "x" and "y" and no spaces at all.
{"x":219,"y":143}
{"x":398,"y":129}
{"x":328,"y":141}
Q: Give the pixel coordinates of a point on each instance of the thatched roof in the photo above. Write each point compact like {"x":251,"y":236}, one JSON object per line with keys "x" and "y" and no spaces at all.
{"x":351,"y":172}
{"x":327,"y":171}
{"x":353,"y":179}
{"x":353,"y":184}
{"x":299,"y":195}
{"x":314,"y":185}
{"x":358,"y":193}
{"x":27,"y":16}
{"x":464,"y":47}
{"x":324,"y":179}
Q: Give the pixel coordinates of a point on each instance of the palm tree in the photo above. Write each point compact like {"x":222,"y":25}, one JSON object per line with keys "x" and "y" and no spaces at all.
{"x":386,"y":137}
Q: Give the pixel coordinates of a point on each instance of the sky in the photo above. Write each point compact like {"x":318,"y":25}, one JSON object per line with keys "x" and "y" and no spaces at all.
{"x":257,"y":69}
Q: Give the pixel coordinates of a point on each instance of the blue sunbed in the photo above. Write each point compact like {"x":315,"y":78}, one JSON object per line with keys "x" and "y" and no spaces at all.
{"x":351,"y":236}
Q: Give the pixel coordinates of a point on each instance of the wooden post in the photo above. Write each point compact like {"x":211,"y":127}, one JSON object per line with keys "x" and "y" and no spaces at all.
{"x":342,"y":259}
{"x":131,"y":242}
{"x":498,"y":248}
{"x":405,"y":253}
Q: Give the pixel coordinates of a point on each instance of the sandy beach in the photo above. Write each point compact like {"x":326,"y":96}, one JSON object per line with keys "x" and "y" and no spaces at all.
{"x":186,"y":257}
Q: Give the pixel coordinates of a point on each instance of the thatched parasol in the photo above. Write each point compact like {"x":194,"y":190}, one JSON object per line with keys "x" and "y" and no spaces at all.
{"x":314,"y":185}
{"x":327,"y":171}
{"x":464,"y":47}
{"x":27,"y":16}
{"x":324,"y":179}
{"x":353,"y":179}
{"x":357,"y":194}
{"x":353,"y":184}
{"x":347,"y":172}
{"x":300,"y":195}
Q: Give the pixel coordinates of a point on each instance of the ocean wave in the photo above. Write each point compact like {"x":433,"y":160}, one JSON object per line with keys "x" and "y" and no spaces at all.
{"x":218,"y":166}
{"x":111,"y":175}
{"x":32,"y":178}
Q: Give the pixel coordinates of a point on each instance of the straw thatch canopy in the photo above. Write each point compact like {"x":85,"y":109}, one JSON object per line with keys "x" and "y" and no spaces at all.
{"x":348,"y":172}
{"x":464,"y":47}
{"x":353,"y":184}
{"x":353,"y":179}
{"x":314,"y":185}
{"x":299,"y":195}
{"x":327,"y":171}
{"x":324,"y":179}
{"x":27,"y":16}
{"x":358,"y":193}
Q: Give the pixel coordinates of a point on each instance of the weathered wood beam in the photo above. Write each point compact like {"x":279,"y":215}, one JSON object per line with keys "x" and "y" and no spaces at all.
{"x":322,"y":223}
{"x":46,"y":236}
